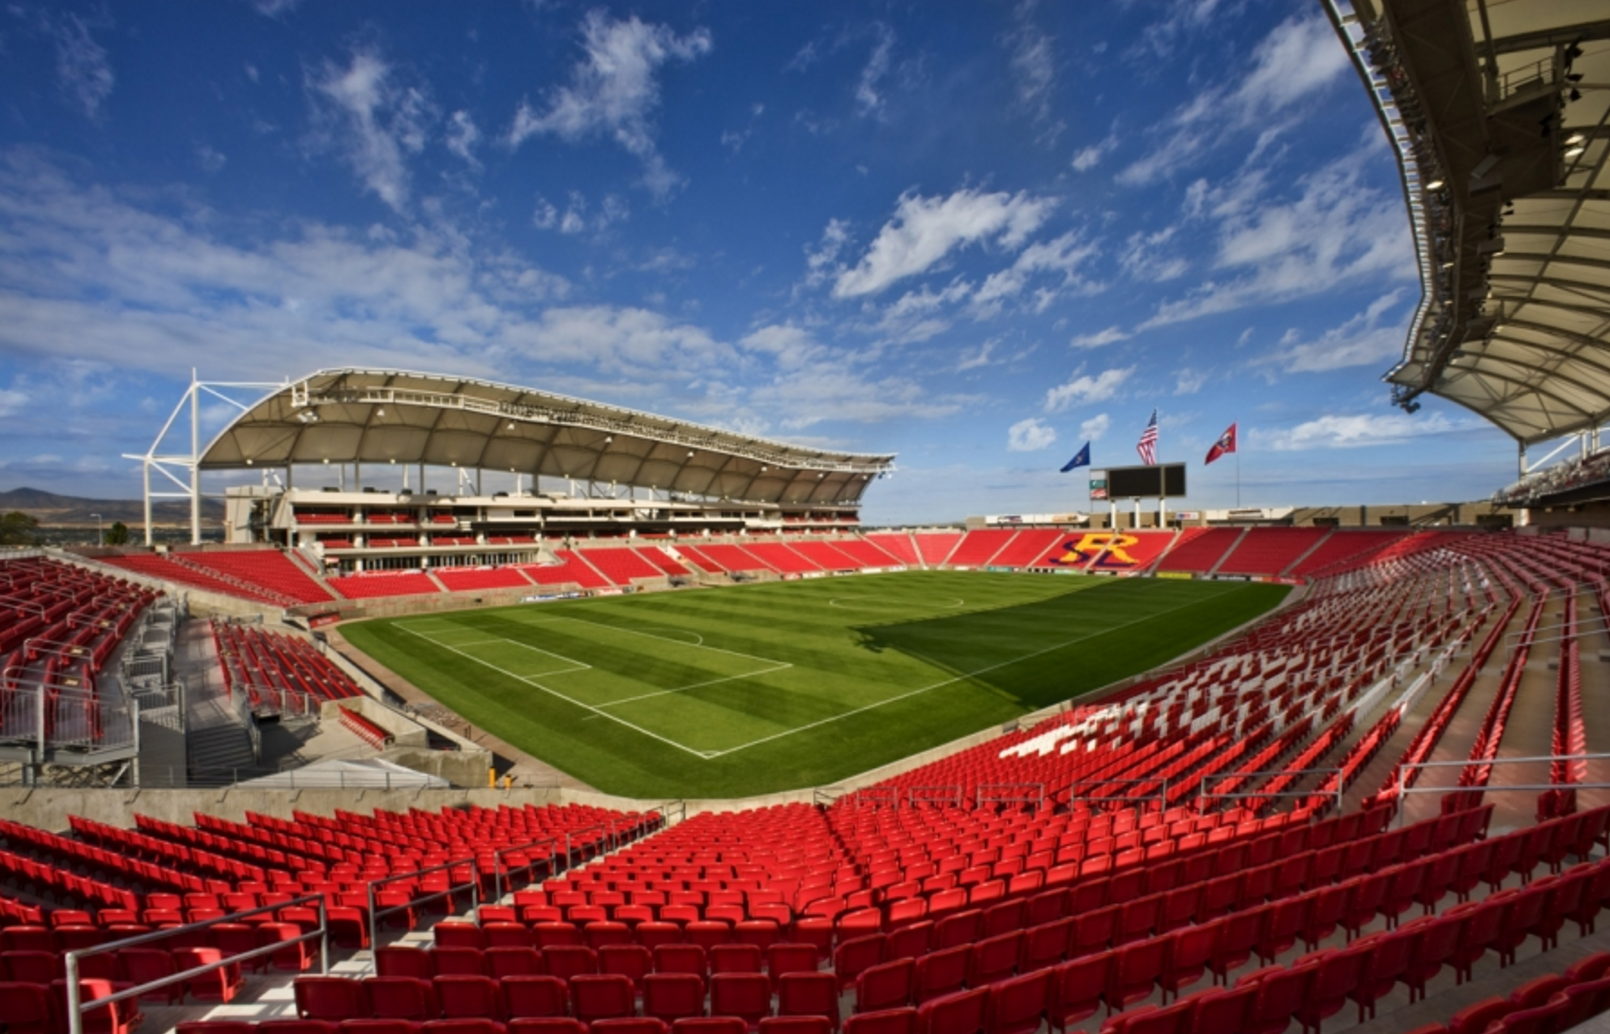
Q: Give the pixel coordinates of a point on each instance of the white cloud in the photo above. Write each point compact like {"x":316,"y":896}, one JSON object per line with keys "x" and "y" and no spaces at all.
{"x":1188,"y":381}
{"x":1334,"y":231}
{"x":1064,"y":254}
{"x":924,"y":230}
{"x":622,"y":341}
{"x":819,"y":261}
{"x":1082,"y":388}
{"x":868,"y":101}
{"x":1361,"y":341}
{"x":1101,"y":337}
{"x":1092,"y":429}
{"x":83,"y":69}
{"x":1030,"y":436}
{"x":90,"y":275}
{"x":1298,"y":59}
{"x":789,"y":346}
{"x":462,"y":138}
{"x":1034,"y":66}
{"x":374,"y":123}
{"x":1144,"y":259}
{"x":1088,"y":158}
{"x":12,"y":402}
{"x":1349,"y":432}
{"x":973,"y":362}
{"x":211,"y":160}
{"x":614,"y":90}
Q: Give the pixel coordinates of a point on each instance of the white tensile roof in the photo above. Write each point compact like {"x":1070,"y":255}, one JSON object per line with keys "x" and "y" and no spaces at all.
{"x":391,"y":416}
{"x":1498,"y":112}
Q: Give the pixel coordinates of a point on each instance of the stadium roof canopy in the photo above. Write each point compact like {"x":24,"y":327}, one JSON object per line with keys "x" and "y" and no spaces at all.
{"x":1498,"y":112}
{"x":390,"y":416}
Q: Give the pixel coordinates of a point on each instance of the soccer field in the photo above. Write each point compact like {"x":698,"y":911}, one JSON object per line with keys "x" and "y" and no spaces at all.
{"x":752,"y":689}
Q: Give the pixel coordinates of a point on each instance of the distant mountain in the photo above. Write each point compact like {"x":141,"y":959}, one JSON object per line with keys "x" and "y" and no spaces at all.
{"x":57,"y":510}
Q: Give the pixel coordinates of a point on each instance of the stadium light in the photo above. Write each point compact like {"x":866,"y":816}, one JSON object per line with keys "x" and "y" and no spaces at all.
{"x":1434,"y":185}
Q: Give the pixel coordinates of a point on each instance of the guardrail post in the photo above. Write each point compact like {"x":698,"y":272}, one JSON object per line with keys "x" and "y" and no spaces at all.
{"x":324,"y":937}
{"x":75,"y":1018}
{"x":374,"y":920}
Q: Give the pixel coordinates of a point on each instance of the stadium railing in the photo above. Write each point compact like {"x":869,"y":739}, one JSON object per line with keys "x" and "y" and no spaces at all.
{"x":77,"y":1008}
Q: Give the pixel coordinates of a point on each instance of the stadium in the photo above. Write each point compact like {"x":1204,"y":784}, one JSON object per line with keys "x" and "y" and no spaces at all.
{"x":481,"y":672}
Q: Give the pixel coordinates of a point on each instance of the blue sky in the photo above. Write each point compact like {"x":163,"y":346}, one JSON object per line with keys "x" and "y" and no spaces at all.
{"x":974,"y":234}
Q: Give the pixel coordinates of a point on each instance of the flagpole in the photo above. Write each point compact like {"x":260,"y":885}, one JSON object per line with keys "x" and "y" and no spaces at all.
{"x":1238,"y":476}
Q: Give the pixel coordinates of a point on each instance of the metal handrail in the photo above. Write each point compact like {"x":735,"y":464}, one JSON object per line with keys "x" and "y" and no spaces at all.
{"x":1161,"y":796}
{"x":1203,"y":795}
{"x":1404,"y":789}
{"x":1036,"y":797}
{"x":607,"y":828}
{"x":375,"y":915}
{"x":949,"y":793}
{"x":497,"y":862}
{"x":77,"y":1008}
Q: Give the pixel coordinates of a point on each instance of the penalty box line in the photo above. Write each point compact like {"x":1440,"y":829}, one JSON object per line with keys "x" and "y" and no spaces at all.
{"x":555,"y":693}
{"x":575,"y":665}
{"x":952,"y":681}
{"x":775,"y":665}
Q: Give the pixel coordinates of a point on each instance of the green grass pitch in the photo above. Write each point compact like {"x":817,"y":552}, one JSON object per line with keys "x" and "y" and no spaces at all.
{"x":752,"y":689}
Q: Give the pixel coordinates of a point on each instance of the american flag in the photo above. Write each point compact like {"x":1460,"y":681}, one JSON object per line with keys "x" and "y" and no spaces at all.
{"x":1147,"y":446}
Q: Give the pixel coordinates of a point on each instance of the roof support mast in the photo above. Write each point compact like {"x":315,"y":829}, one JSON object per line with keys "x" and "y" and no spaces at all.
{"x":167,"y":464}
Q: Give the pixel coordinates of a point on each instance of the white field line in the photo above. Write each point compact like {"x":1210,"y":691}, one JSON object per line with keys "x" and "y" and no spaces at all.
{"x":775,"y":665}
{"x":682,"y":689}
{"x":952,"y":681}
{"x":575,"y":665}
{"x":561,"y":696}
{"x":666,"y":639}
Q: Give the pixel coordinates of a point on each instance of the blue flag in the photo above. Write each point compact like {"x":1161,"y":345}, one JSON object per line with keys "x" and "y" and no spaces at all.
{"x":1080,"y":459}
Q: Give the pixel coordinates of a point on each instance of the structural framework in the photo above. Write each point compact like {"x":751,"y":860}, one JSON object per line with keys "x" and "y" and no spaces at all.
{"x":1497,"y":112}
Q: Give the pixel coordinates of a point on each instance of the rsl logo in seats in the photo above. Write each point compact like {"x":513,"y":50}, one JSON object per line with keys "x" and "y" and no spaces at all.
{"x":1110,"y":546}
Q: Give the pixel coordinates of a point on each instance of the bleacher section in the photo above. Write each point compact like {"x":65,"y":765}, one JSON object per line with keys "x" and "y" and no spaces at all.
{"x":169,"y":568}
{"x":1342,"y":546}
{"x":867,"y":553}
{"x":620,"y":566}
{"x":59,"y":625}
{"x":979,"y":545}
{"x":1269,"y":551}
{"x":278,"y":673}
{"x":1199,"y":549}
{"x":779,"y":557}
{"x":727,"y":558}
{"x":375,"y":584}
{"x":1097,"y":862}
{"x":697,"y":557}
{"x":663,"y":562}
{"x":267,"y":568}
{"x":935,"y":547}
{"x":570,"y":570}
{"x":216,"y":867}
{"x":1030,"y":545}
{"x":898,"y":545}
{"x":829,"y":556}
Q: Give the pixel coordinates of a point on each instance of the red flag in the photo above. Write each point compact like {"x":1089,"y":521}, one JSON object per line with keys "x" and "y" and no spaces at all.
{"x":1226,"y":443}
